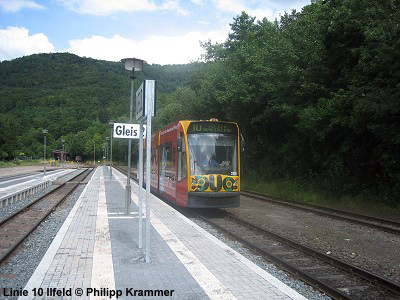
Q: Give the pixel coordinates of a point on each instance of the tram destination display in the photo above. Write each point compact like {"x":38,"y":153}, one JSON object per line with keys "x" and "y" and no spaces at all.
{"x":213,"y":127}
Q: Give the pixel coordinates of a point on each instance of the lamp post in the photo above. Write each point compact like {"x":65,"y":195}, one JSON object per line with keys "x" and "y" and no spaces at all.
{"x":63,"y":152}
{"x":105,"y":154}
{"x":94,"y":153}
{"x":111,"y":122}
{"x":107,"y":151}
{"x":131,"y":64}
{"x":44,"y":131}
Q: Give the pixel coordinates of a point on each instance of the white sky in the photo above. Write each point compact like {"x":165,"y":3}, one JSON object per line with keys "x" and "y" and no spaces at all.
{"x":158,"y":31}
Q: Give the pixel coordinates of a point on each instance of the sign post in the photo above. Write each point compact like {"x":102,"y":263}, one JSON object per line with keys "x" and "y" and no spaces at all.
{"x":145,"y":109}
{"x":140,"y":117}
{"x":150,"y":93}
{"x":140,"y":177}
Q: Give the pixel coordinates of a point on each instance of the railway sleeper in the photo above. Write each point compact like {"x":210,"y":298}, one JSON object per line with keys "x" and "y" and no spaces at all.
{"x":353,"y":289}
{"x":302,"y":259}
{"x":333,"y":277}
{"x":284,"y":254}
{"x":317,"y":268}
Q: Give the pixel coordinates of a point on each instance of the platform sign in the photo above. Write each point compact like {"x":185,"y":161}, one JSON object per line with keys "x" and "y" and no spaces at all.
{"x":140,"y":103}
{"x":146,"y":92}
{"x":128,"y":131}
{"x":145,"y":102}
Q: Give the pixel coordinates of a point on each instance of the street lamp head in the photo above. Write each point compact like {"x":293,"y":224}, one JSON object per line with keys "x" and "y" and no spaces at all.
{"x":44,"y":131}
{"x":134,"y":64}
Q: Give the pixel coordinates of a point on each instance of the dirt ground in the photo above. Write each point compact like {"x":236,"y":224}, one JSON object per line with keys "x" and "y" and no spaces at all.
{"x":365,"y":247}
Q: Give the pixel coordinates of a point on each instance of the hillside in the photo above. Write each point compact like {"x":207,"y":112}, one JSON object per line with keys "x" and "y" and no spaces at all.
{"x":72,"y":97}
{"x":316,"y":95}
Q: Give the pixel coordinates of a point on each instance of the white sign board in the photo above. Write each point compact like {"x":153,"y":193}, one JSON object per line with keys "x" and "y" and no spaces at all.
{"x":139,"y":102}
{"x":150,"y":95}
{"x":128,"y":131}
{"x":146,"y":92}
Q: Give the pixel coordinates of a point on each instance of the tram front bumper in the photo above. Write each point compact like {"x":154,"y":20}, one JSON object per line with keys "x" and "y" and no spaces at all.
{"x":213,"y":199}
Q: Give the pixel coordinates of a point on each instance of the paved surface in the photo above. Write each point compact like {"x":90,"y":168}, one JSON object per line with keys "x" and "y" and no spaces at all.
{"x":96,"y":252}
{"x":22,"y":170}
{"x":14,"y":185}
{"x":13,"y":171}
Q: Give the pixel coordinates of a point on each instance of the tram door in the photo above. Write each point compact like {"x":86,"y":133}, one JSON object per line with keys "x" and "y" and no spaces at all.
{"x":167,"y":175}
{"x":181,"y":184}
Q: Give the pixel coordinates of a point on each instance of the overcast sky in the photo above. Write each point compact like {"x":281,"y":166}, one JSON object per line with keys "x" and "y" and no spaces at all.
{"x":158,"y":31}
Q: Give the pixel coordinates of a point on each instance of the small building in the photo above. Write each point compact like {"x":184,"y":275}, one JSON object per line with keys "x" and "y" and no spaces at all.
{"x":60,"y":155}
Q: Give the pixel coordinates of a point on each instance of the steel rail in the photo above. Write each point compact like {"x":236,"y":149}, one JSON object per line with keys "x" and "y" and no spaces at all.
{"x":27,"y":207}
{"x":324,"y":211}
{"x":330,"y":212}
{"x":9,"y":217}
{"x":326,"y":288}
{"x":333,"y":292}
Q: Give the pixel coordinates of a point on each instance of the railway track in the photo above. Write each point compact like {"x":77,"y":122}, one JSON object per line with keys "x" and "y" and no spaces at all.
{"x":372,"y":222}
{"x":328,"y":274}
{"x":15,"y":228}
{"x":332,"y":276}
{"x":386,"y":225}
{"x":124,"y":170}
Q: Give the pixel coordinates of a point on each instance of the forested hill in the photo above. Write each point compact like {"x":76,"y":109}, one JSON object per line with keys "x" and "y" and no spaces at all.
{"x":73,"y":97}
{"x":316,"y":95}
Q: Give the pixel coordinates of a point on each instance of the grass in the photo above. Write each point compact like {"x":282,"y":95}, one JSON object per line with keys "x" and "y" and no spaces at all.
{"x":7,"y":164}
{"x":291,"y":190}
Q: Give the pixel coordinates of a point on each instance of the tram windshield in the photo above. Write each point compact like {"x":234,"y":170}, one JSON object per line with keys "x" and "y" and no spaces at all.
{"x":213,"y":153}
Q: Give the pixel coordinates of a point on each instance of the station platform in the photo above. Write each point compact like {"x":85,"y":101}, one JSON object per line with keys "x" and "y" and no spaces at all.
{"x":95,"y":255}
{"x":15,"y":185}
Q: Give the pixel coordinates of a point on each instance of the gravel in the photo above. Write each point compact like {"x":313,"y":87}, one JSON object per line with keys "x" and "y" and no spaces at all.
{"x":306,"y":290}
{"x":10,"y":209}
{"x":367,"y":248}
{"x":18,"y":268}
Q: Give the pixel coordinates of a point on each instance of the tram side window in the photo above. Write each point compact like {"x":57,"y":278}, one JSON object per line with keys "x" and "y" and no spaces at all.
{"x":154,"y":156}
{"x":182,"y":171}
{"x":166,"y":161}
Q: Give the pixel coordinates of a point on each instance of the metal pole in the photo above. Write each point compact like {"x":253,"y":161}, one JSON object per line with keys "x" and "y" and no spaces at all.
{"x":44,"y":155}
{"x":128,"y":181}
{"x":140,"y":176}
{"x":94,"y":153}
{"x":44,"y":148}
{"x":111,"y":151}
{"x":149,"y":104}
{"x":63,"y":155}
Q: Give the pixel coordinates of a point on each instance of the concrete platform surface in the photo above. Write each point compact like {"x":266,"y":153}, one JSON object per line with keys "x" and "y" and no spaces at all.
{"x":15,"y":185}
{"x":21,"y":170}
{"x":95,"y":255}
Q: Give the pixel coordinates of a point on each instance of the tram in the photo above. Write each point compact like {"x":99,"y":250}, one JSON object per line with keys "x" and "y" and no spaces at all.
{"x":197,"y":163}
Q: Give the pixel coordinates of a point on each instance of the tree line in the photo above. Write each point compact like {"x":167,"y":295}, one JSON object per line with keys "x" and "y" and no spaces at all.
{"x":316,"y":95}
{"x":74,"y":98}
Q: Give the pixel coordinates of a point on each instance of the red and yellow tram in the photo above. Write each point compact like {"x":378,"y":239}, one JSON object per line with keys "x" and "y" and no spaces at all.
{"x":197,"y":163}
